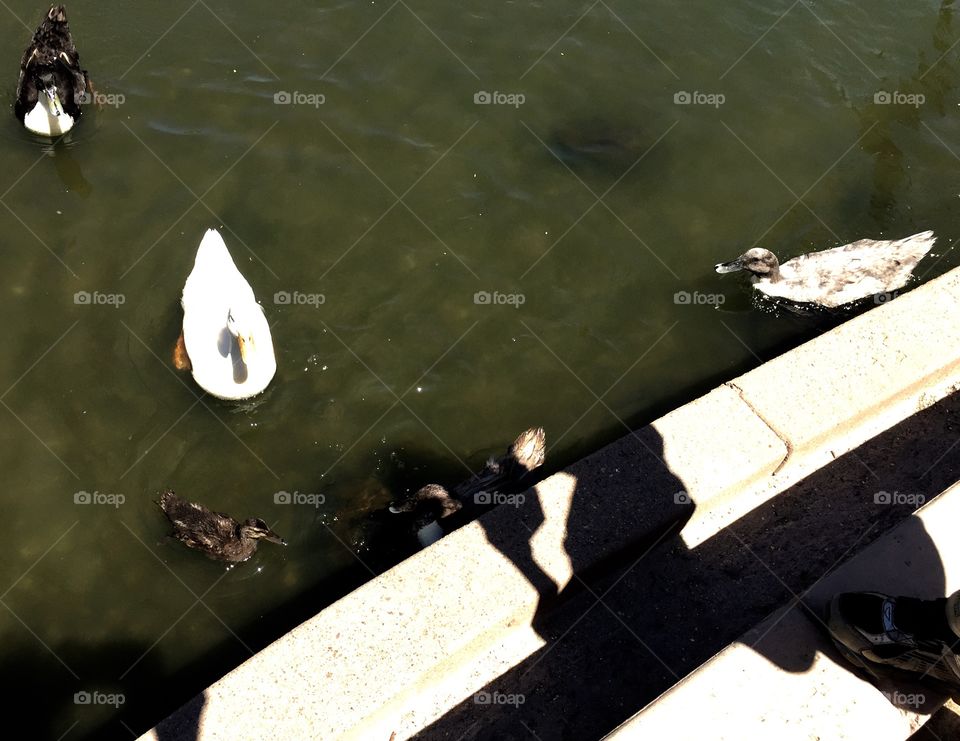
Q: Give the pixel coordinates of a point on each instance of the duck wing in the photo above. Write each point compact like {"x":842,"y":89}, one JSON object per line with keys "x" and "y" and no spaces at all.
{"x":72,"y":83}
{"x":853,"y":271}
{"x":27,"y":95}
{"x":194,"y":524}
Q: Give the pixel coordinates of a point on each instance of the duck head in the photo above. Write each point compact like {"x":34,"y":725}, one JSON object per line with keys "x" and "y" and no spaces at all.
{"x":47,"y":116}
{"x":432,"y":501}
{"x":240,"y":324}
{"x":257,"y":529}
{"x":758,"y":262}
{"x":47,"y":89}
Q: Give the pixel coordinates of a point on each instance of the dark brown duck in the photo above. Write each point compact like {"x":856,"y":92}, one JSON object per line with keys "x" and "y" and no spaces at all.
{"x":215,"y":534}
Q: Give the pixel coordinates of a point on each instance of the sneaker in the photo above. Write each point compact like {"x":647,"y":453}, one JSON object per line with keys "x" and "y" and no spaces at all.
{"x":888,"y":636}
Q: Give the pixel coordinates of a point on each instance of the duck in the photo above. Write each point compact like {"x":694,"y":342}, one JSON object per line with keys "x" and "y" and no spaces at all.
{"x":835,"y":277}
{"x":428,"y":505}
{"x":52,"y":84}
{"x":434,"y":511}
{"x":226,"y":341}
{"x":215,"y":534}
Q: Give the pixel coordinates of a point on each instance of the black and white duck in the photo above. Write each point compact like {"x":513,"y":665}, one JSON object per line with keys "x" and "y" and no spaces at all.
{"x":215,"y":534}
{"x":52,"y":84}
{"x":837,"y":276}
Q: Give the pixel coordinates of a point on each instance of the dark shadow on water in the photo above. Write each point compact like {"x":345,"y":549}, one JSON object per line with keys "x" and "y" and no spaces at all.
{"x":69,"y":689}
{"x":594,"y":144}
{"x":153,"y":692}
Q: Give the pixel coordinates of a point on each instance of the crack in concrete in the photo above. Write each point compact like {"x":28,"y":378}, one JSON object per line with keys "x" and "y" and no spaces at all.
{"x":780,"y":437}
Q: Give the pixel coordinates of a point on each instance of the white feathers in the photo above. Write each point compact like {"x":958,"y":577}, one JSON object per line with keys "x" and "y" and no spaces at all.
{"x":217,"y":295}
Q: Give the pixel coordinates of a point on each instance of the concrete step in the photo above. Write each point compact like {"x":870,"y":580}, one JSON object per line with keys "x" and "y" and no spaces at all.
{"x":784,"y":679}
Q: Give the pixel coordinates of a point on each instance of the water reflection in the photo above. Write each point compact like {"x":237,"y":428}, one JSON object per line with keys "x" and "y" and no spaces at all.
{"x":68,"y":170}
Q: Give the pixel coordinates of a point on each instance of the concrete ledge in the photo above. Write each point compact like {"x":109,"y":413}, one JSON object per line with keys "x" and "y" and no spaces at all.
{"x":784,"y":679}
{"x":400,"y":651}
{"x":892,"y":359}
{"x":707,"y":442}
{"x":839,"y":390}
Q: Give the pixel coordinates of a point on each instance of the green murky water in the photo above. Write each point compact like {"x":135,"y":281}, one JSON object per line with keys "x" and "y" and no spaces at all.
{"x":382,"y":198}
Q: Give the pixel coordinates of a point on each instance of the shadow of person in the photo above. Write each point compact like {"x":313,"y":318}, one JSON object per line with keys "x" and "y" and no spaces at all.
{"x":184,"y":725}
{"x":909,"y":564}
{"x":72,"y":689}
{"x":624,"y":632}
{"x":516,"y":543}
{"x":598,"y":526}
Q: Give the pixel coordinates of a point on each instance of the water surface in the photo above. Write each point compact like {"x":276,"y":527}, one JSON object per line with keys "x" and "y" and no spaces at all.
{"x":586,"y":208}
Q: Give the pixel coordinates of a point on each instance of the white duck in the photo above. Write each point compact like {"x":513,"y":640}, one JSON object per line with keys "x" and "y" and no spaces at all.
{"x":226,"y":339}
{"x":836,"y":276}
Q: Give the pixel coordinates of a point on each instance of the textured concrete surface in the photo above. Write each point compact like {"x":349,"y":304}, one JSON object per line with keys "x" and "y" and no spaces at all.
{"x":831,"y":394}
{"x":867,"y":374}
{"x":709,"y":463}
{"x":399,"y":652}
{"x":744,"y":691}
{"x":632,"y":632}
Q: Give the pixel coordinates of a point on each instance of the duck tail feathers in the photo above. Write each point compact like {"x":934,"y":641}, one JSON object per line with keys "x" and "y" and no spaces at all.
{"x":213,"y":250}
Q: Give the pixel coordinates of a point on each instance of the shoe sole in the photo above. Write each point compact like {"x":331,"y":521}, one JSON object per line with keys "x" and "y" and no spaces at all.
{"x":878,"y":672}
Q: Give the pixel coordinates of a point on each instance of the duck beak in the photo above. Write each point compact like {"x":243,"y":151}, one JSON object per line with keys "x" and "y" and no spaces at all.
{"x":246,"y":346}
{"x":51,"y":92}
{"x":274,"y":538}
{"x":729,"y":267}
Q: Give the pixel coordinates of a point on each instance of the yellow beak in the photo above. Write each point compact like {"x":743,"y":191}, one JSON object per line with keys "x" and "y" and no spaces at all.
{"x":246,"y":347}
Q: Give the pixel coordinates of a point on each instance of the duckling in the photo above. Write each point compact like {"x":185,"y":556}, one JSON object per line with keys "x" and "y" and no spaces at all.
{"x":217,"y":535}
{"x":837,"y":276}
{"x":52,"y":84}
{"x":433,"y":507}
{"x":428,"y":505}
